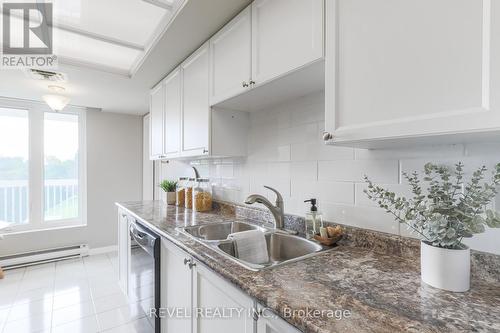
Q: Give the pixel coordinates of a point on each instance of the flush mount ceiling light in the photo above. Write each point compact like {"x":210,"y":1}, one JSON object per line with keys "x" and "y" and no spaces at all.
{"x":56,"y":102}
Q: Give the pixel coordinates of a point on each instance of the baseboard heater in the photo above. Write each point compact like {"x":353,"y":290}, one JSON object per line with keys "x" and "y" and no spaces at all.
{"x":43,"y":256}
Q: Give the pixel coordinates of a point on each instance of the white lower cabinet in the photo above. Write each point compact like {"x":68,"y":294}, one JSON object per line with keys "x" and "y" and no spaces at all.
{"x":175,"y":289}
{"x":212,"y":293}
{"x":268,"y":322}
{"x":194,"y":299}
{"x":123,"y":250}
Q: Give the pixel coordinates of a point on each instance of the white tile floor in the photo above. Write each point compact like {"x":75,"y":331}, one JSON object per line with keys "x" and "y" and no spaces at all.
{"x":77,"y":295}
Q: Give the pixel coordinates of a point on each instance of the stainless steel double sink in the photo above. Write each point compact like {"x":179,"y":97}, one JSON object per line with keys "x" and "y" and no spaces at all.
{"x":282,"y":247}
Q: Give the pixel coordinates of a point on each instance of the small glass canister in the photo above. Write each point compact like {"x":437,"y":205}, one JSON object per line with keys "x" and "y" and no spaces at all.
{"x":189,"y":193}
{"x":180,"y":193}
{"x":202,"y":195}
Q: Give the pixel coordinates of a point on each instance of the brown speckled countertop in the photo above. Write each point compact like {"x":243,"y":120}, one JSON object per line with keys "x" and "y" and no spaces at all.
{"x":383,"y":293}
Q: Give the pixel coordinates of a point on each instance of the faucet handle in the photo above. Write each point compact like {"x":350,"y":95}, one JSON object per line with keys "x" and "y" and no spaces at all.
{"x":279,"y":198}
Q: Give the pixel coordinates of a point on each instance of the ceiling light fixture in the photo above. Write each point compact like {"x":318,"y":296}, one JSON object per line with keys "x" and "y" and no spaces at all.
{"x":56,"y":102}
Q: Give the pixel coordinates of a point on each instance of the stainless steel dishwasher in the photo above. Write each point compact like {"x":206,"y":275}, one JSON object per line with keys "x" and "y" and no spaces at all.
{"x":144,"y":279}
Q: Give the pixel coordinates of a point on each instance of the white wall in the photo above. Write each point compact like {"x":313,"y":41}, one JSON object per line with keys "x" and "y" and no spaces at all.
{"x":114,"y":173}
{"x":286,"y":151}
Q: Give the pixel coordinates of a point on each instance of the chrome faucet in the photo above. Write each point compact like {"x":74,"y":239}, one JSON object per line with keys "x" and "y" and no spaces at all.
{"x":277,"y":211}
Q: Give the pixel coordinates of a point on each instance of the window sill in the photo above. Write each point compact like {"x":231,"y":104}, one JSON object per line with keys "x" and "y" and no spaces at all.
{"x":17,"y":230}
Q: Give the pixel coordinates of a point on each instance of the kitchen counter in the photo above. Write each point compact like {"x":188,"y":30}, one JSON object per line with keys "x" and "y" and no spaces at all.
{"x":370,"y":291}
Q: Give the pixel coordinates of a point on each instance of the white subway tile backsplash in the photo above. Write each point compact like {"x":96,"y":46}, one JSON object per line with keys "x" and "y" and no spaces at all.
{"x":363,"y":217}
{"x":304,"y":170}
{"x":297,"y":134}
{"x":383,"y":171}
{"x":286,"y":151}
{"x":471,"y":163}
{"x":224,"y":170}
{"x":362,"y":199}
{"x":336,"y":192}
{"x":482,"y":149}
{"x":324,"y":192}
{"x":318,"y":151}
{"x":267,"y":153}
{"x":487,"y":241}
{"x":304,"y":189}
{"x":278,"y":170}
{"x":428,"y":152}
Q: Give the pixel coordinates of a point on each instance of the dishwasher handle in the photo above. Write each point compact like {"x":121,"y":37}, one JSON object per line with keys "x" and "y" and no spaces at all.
{"x":144,"y":239}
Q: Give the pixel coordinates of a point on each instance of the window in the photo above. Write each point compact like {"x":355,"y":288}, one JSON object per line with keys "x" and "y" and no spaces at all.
{"x":42,"y":169}
{"x":60,"y":148}
{"x":14,"y":166}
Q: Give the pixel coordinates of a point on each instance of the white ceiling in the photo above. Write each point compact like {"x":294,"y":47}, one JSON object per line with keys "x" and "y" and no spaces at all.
{"x":114,"y":51}
{"x":113,"y":33}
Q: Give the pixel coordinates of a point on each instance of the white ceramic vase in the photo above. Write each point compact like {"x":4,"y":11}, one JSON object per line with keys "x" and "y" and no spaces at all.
{"x":170,"y":196}
{"x":445,"y":268}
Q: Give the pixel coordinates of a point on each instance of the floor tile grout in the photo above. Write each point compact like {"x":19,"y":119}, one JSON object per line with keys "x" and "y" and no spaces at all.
{"x":92,"y":279}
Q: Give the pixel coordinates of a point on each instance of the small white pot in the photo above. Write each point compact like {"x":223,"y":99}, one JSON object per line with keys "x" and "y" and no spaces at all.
{"x":170,"y":198}
{"x":445,"y":268}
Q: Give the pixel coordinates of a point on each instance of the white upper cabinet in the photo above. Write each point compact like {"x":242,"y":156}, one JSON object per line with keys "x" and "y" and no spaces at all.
{"x":230,"y":58}
{"x":196,"y":110}
{"x":156,"y":107}
{"x":173,"y":114}
{"x":411,"y":70}
{"x":286,"y":34}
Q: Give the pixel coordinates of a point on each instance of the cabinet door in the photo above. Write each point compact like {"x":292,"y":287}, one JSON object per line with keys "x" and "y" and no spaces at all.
{"x":268,"y":322}
{"x":409,"y":69}
{"x":286,"y":34}
{"x":212,"y":292}
{"x":173,"y":114}
{"x":175,"y":289}
{"x":123,"y":250}
{"x":156,"y":108}
{"x":195,"y":107}
{"x":230,"y":58}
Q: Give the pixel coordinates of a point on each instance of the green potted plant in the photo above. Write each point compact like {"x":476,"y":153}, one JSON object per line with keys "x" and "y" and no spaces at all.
{"x":451,"y":209}
{"x":169,"y":186}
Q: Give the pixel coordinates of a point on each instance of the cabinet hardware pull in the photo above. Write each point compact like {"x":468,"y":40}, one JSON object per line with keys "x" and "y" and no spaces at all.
{"x":256,"y":314}
{"x":327,"y":136}
{"x":187,"y":261}
{"x":191,"y":265}
{"x":205,"y":151}
{"x":244,"y":84}
{"x":252,"y":82}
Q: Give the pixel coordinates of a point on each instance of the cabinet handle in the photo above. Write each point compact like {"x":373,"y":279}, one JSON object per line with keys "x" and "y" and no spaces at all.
{"x":205,"y":151}
{"x":257,"y":313}
{"x":252,"y":82}
{"x":327,"y":136}
{"x":191,"y":265}
{"x":187,"y":261}
{"x":244,"y":84}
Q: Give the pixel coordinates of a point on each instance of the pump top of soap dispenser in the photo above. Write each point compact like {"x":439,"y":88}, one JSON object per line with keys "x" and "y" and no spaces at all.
{"x":313,"y":205}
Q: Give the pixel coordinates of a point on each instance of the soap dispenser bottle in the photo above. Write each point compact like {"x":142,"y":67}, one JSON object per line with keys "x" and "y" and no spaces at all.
{"x":314,"y":220}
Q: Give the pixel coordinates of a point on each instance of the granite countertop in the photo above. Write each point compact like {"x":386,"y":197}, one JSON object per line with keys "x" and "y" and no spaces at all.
{"x":381,"y":293}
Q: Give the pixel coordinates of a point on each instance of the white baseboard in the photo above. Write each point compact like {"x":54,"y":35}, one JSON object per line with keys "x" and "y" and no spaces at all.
{"x":102,"y":250}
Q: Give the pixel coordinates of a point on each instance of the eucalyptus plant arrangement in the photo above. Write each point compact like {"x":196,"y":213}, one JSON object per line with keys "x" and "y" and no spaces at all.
{"x":168,"y":185}
{"x":451,"y":209}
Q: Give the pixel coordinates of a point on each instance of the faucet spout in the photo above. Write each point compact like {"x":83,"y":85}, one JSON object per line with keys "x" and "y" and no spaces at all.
{"x":276,"y":210}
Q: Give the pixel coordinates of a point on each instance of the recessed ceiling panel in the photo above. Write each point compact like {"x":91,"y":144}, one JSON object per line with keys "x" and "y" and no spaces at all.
{"x":110,"y":33}
{"x":133,"y":21}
